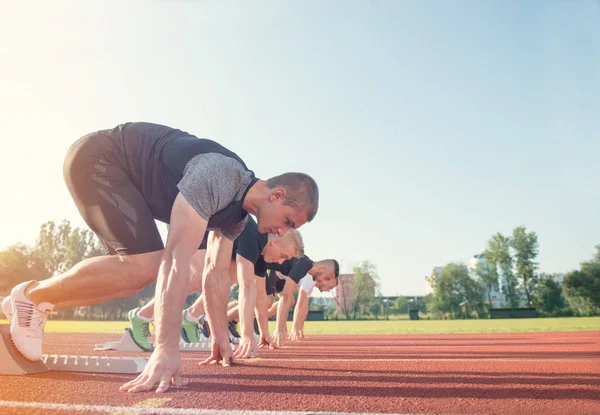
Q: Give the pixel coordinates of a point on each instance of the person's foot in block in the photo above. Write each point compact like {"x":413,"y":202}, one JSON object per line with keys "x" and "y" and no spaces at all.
{"x":189,"y":329}
{"x":204,"y":327}
{"x":7,"y":308}
{"x":140,"y":330}
{"x":28,"y":322}
{"x":234,"y":335}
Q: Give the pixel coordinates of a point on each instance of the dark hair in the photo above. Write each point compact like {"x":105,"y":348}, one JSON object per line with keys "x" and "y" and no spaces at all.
{"x":302,"y":191}
{"x":337,"y":269}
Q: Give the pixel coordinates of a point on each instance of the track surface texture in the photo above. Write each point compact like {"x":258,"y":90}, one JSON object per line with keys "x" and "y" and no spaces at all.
{"x":507,"y":373}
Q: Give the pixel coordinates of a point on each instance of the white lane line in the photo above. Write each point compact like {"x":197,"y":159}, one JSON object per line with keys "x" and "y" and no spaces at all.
{"x":390,"y":346}
{"x":503,"y":341}
{"x":466,"y":359}
{"x":167,"y":411}
{"x":409,"y":347}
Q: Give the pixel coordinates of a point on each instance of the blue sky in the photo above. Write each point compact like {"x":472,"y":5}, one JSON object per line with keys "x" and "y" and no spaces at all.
{"x":429,"y":126}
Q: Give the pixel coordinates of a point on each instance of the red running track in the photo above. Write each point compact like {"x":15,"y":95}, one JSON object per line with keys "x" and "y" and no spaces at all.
{"x":508,"y":373}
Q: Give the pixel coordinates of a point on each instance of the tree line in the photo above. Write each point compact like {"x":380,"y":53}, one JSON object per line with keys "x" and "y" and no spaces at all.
{"x":508,"y":266}
{"x":505,"y":275}
{"x":57,"y":249}
{"x":362,"y":298}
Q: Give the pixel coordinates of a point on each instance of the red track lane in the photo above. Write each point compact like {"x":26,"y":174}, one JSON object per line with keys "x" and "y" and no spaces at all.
{"x":512,"y":373}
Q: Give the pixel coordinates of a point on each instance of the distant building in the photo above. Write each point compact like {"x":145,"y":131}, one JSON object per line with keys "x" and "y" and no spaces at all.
{"x":344,"y":291}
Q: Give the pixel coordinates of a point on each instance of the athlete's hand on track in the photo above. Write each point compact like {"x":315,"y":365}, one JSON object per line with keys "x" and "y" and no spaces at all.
{"x":266,"y":341}
{"x":296,"y":334}
{"x":220,"y":351}
{"x":278,"y":338}
{"x":163,"y":368}
{"x":247,"y":348}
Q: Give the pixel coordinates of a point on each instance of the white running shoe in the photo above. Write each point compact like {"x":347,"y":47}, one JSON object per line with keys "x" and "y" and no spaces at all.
{"x":28,"y":322}
{"x":7,"y":308}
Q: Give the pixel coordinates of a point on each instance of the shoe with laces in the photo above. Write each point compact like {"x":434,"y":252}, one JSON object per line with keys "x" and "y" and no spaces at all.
{"x":7,"y":308}
{"x":140,"y":330}
{"x":189,"y":330}
{"x":204,"y":327}
{"x":233,"y":329}
{"x":28,"y":323}
{"x":234,"y":335}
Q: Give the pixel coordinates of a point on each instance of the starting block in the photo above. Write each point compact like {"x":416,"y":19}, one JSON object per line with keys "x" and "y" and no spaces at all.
{"x":126,"y":344}
{"x":94,"y":364}
{"x":202,"y":346}
{"x":13,"y":363}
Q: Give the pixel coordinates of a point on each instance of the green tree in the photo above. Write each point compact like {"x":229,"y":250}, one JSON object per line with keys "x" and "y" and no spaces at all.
{"x":20,"y":263}
{"x":498,"y":253}
{"x":234,"y":292}
{"x":365,"y":285}
{"x":525,"y":245}
{"x":376,"y":307}
{"x":424,"y":303}
{"x":549,"y":295}
{"x":401,"y":305}
{"x":585,"y":283}
{"x":488,"y":276}
{"x":452,"y":288}
{"x":62,"y":246}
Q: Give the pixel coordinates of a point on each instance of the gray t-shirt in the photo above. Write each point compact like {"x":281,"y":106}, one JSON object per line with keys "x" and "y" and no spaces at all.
{"x":161,"y":162}
{"x":211,"y":182}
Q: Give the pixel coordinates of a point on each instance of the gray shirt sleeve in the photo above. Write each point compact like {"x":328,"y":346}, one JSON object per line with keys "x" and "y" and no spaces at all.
{"x":234,"y":231}
{"x":211,"y":182}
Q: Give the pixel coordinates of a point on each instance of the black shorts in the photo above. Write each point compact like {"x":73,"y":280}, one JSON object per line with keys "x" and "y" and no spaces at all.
{"x":274,"y":284}
{"x":106,"y":198}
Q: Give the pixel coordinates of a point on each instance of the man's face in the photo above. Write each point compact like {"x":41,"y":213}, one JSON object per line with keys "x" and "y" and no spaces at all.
{"x":325,"y":280}
{"x":278,"y":250}
{"x":276,"y":218}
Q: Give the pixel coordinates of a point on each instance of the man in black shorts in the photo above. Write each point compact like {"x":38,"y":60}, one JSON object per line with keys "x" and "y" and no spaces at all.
{"x":124,"y":178}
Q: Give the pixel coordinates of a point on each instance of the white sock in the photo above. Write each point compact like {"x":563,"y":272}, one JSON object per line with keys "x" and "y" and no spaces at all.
{"x":189,"y":317}
{"x":146,"y":319}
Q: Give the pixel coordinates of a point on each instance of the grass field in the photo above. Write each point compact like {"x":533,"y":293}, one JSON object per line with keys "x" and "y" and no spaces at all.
{"x":378,"y":327}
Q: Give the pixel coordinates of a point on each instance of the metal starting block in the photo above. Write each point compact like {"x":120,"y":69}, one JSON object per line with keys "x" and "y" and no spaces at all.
{"x":126,"y":344}
{"x":94,"y":364}
{"x":12,"y":362}
{"x":202,"y":346}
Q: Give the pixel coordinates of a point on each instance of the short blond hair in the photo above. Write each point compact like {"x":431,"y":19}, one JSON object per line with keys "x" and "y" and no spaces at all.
{"x":295,"y":236}
{"x":292,"y":236}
